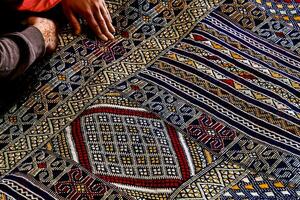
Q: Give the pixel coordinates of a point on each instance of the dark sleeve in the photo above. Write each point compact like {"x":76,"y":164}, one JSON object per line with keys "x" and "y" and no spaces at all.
{"x":19,"y":50}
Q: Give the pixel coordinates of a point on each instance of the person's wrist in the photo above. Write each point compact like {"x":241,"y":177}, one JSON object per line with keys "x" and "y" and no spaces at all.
{"x":48,"y":30}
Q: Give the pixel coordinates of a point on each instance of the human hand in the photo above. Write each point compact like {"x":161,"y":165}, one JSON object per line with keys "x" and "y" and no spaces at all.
{"x":48,"y":29}
{"x":96,"y":14}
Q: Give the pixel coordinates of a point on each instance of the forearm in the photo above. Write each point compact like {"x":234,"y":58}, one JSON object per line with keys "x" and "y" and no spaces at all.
{"x":19,"y":50}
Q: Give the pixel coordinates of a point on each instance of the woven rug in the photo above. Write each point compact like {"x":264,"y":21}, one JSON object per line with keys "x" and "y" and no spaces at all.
{"x":195,"y":99}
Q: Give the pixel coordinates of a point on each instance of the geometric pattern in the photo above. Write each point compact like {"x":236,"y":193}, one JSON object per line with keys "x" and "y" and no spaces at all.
{"x":16,"y":186}
{"x":249,"y":16}
{"x":210,"y":182}
{"x":128,"y":146}
{"x":64,"y":178}
{"x":201,"y":127}
{"x":243,"y":150}
{"x":265,"y":159}
{"x":287,"y":11}
{"x":83,"y":69}
{"x":220,"y":84}
{"x":256,"y":186}
{"x":169,"y":143}
{"x":185,"y":103}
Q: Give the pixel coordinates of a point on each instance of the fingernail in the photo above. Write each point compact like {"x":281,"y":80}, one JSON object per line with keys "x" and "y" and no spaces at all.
{"x":103,"y":38}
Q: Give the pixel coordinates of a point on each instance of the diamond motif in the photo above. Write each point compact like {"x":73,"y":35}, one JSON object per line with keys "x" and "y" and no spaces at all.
{"x":128,"y":146}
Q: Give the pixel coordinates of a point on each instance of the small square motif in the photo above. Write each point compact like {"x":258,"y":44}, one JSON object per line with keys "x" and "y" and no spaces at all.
{"x":107,"y":137}
{"x":124,"y":148}
{"x":141,"y":160}
{"x":158,"y":133}
{"x":130,"y":120}
{"x":143,"y":122}
{"x":132,"y":129}
{"x":104,"y":128}
{"x":166,"y":150}
{"x":136,"y":139}
{"x":157,"y":171}
{"x":122,"y":138}
{"x":138,"y":149}
{"x":126,"y":160}
{"x":115,"y":169}
{"x":143,"y":171}
{"x":91,"y":127}
{"x":98,"y":158}
{"x":154,"y":160}
{"x":95,"y":147}
{"x":100,"y":168}
{"x":119,"y":128}
{"x":93,"y":137}
{"x":157,"y":124}
{"x":171,"y":171}
{"x":152,"y":149}
{"x":103,"y":118}
{"x":89,"y":119}
{"x":109,"y":148}
{"x":146,"y":130}
{"x":169,"y":160}
{"x":112,"y":159}
{"x":149,"y":140}
{"x":116,"y":119}
{"x":129,"y":171}
{"x":80,"y":188}
{"x":163,"y":141}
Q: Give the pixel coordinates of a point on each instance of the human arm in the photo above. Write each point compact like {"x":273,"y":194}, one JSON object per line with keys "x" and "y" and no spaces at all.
{"x":19,"y":50}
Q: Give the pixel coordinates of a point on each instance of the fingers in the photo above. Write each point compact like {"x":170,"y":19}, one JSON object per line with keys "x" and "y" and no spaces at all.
{"x":106,"y":10}
{"x":89,"y":16}
{"x":73,"y":21}
{"x":105,"y":24}
{"x":107,"y":18}
{"x":107,"y":21}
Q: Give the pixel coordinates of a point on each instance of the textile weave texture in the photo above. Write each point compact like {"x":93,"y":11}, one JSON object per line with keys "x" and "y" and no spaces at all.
{"x":195,"y":99}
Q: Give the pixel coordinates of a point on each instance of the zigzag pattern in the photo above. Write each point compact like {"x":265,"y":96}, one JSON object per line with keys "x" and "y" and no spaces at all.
{"x":256,"y":95}
{"x":254,"y":186}
{"x":249,"y":108}
{"x":254,"y":43}
{"x":237,"y":118}
{"x":21,"y":190}
{"x":146,"y":53}
{"x":247,"y":75}
{"x":211,"y":182}
{"x":243,"y":150}
{"x":241,"y":88}
{"x":249,"y":51}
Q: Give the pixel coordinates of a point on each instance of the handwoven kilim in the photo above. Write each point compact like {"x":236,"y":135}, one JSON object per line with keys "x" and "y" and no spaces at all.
{"x":195,"y":99}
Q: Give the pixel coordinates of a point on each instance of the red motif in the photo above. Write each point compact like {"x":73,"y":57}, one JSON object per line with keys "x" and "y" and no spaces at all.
{"x":229,"y":82}
{"x":209,"y":131}
{"x":42,"y":165}
{"x":280,"y":34}
{"x":135,"y":87}
{"x":84,"y":154}
{"x":76,"y":184}
{"x":199,"y":38}
{"x":125,"y":34}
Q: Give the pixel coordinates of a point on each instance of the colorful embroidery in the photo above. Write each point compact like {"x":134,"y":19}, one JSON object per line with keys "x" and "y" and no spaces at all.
{"x":195,"y":99}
